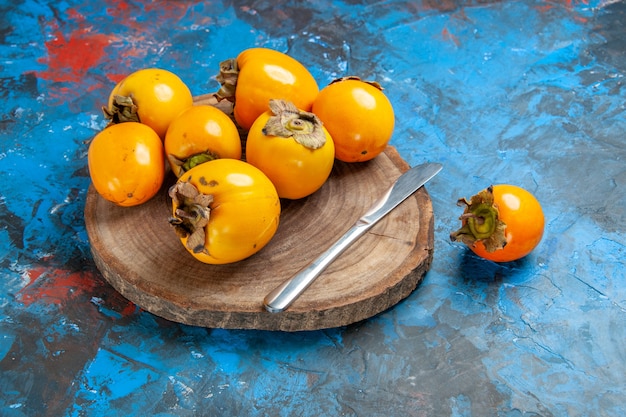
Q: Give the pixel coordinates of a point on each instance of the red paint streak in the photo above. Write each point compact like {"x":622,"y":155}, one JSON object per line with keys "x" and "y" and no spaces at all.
{"x":581,"y":19}
{"x":56,"y":286}
{"x":159,"y":12}
{"x":128,"y":310}
{"x":448,"y":36}
{"x":116,"y":78}
{"x":74,"y":14}
{"x":573,"y":3}
{"x":70,"y":58}
{"x":170,"y":9}
{"x":59,"y":287}
{"x":569,"y":5}
{"x":139,"y":32}
{"x":74,"y":56}
{"x":545,"y":8}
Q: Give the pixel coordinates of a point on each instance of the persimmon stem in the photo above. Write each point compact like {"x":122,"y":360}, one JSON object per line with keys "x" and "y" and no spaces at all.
{"x":481,"y":220}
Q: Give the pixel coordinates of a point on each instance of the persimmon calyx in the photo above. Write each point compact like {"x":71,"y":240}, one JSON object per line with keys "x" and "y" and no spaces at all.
{"x":123,"y":109}
{"x":229,"y":73}
{"x":289,"y":121}
{"x":191,"y":215}
{"x":185,"y":164}
{"x":481,"y":222}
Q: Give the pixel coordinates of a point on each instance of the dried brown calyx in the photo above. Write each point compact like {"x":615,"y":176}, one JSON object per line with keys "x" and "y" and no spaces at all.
{"x":123,"y":109}
{"x":289,"y":121}
{"x":191,"y":214}
{"x":229,"y":73}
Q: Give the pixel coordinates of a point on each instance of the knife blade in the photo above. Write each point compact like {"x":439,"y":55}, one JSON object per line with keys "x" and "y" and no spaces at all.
{"x":286,"y":293}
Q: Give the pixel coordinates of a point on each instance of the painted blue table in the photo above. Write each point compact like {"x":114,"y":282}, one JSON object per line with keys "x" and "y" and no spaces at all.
{"x":525,"y":92}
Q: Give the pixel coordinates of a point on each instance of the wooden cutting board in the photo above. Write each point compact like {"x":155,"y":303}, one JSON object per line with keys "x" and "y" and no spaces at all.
{"x":140,"y":255}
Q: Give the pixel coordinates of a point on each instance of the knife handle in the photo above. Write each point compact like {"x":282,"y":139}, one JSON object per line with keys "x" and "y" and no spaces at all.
{"x":286,"y":293}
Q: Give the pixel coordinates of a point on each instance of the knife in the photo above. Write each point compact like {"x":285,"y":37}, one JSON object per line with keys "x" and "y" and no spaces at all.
{"x":282,"y":296}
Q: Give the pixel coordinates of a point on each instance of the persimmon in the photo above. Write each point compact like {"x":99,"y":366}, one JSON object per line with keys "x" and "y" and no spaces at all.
{"x":502,"y":223}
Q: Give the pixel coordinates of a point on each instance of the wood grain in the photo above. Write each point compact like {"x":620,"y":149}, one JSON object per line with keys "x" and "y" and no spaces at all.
{"x":139,"y":254}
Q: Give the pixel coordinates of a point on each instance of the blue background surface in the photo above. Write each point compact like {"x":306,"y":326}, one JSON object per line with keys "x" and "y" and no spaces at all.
{"x":524,"y":92}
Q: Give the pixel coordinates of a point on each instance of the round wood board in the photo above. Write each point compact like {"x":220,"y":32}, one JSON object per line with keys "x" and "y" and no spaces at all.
{"x":140,"y":255}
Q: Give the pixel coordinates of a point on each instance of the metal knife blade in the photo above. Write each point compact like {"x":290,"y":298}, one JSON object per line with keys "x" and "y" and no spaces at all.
{"x":282,"y":296}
